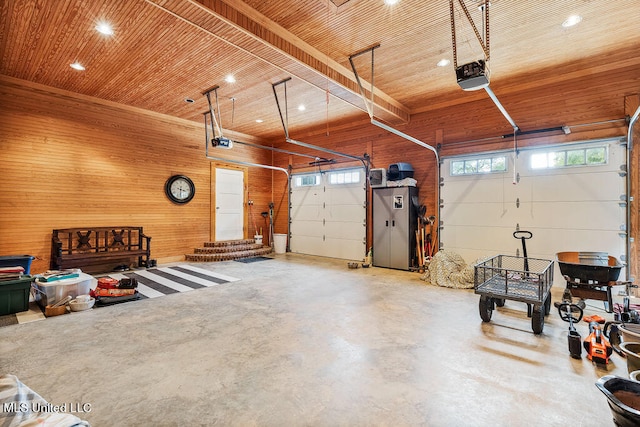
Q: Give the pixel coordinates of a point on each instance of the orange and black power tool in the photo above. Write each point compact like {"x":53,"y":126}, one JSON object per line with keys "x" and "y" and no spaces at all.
{"x":596,"y":344}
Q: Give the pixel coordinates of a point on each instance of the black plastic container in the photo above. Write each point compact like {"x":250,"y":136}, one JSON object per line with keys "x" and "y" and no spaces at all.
{"x":398,"y":171}
{"x":623,"y":396}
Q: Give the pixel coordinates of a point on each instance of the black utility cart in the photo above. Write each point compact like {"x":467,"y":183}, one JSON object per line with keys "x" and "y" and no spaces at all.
{"x":522,"y":279}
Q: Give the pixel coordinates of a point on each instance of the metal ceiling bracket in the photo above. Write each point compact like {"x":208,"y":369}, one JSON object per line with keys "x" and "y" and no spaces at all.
{"x":284,"y":118}
{"x":367,"y":103}
{"x":214,"y":122}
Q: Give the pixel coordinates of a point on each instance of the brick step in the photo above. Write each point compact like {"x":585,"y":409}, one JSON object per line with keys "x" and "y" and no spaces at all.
{"x":227,"y":256}
{"x":223,"y":243}
{"x":229,"y":248}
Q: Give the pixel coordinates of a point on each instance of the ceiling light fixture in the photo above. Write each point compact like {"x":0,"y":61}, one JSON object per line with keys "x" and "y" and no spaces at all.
{"x":571,"y":21}
{"x":301,"y":107}
{"x":77,"y":66}
{"x":259,"y":120}
{"x":391,"y":2}
{"x":443,"y":62}
{"x":230,"y":79}
{"x":104,"y":28}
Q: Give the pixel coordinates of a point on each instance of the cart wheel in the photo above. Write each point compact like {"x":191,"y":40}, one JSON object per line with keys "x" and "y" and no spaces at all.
{"x":486,"y":308}
{"x":499,"y":302}
{"x":537,"y":319}
{"x":547,"y":305}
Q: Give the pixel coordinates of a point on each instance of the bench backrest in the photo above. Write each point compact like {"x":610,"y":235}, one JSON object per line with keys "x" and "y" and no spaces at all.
{"x":98,"y":239}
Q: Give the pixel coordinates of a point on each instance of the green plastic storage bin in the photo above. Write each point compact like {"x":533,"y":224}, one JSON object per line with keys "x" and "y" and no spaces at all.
{"x":14,"y":295}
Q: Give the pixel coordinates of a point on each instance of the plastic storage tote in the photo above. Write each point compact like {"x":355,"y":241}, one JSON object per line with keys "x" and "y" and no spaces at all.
{"x":23,"y":261}
{"x":14,"y":295}
{"x":48,"y":293}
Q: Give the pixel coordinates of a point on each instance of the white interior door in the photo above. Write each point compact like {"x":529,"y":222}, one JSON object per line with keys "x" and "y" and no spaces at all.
{"x":568,"y":207}
{"x":328,"y":214}
{"x":229,"y":214}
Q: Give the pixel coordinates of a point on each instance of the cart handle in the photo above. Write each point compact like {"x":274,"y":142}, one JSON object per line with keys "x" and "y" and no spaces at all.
{"x":522,"y":234}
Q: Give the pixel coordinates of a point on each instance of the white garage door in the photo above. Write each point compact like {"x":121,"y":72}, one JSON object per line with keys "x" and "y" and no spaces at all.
{"x":328,"y":213}
{"x":568,"y":196}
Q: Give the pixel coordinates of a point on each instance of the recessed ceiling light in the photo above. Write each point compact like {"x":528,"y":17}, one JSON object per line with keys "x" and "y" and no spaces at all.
{"x":77,"y":66}
{"x":104,"y":28}
{"x":443,"y":62}
{"x":301,"y":107}
{"x":572,"y":20}
{"x":390,"y":2}
{"x":259,"y":120}
{"x":230,"y":79}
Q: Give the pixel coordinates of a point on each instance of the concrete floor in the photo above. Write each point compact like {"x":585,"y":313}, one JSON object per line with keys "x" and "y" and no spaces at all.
{"x":304,"y":341}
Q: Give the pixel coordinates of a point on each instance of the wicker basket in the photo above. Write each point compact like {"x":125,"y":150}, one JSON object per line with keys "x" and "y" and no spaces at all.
{"x":55,"y":311}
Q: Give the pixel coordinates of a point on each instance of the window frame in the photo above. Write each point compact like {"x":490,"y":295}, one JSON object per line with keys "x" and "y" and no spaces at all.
{"x":468,"y":169}
{"x":565,"y":154}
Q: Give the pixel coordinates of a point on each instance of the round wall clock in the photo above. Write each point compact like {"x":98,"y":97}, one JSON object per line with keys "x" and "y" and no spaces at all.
{"x":180,"y":189}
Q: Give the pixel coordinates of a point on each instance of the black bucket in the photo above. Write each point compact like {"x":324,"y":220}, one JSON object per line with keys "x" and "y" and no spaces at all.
{"x":623,"y":396}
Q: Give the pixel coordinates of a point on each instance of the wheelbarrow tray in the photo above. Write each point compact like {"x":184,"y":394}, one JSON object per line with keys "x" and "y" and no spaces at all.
{"x":585,"y":267}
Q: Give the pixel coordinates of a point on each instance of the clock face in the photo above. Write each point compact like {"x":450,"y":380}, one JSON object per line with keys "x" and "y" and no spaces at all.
{"x":180,"y":189}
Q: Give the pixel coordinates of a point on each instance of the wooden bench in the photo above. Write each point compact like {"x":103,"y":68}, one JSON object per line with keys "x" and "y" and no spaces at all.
{"x":99,"y":248}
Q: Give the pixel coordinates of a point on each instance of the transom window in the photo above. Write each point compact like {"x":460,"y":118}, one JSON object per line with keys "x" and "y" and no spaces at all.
{"x":495,"y":164}
{"x":344,"y":177}
{"x":570,"y":157}
{"x":307,"y":180}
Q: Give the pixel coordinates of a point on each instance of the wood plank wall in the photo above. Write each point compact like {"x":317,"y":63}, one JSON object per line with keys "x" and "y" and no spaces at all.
{"x":70,"y":160}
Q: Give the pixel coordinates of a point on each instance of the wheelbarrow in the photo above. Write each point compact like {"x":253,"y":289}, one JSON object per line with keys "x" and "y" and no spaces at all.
{"x":590,"y":275}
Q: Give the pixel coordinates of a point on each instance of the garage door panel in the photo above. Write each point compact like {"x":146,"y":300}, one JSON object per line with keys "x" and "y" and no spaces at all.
{"x":477,"y":213}
{"x":348,"y":195}
{"x":470,"y":190}
{"x":489,"y":240}
{"x":343,"y":230}
{"x":306,"y":228}
{"x":577,"y":187}
{"x":305,"y":244}
{"x":306,"y":198}
{"x":353,"y":213}
{"x":567,"y":215}
{"x":307,"y":213}
{"x":346,"y":248}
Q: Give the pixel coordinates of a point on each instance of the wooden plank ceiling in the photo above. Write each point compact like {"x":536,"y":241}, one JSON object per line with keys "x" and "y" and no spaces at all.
{"x":165,"y":51}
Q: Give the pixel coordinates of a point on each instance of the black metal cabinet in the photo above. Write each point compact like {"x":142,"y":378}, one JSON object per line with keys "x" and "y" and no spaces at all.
{"x":394,"y":226}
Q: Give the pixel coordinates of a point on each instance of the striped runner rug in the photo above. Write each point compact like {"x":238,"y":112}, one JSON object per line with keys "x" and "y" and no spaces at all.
{"x":157,"y":282}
